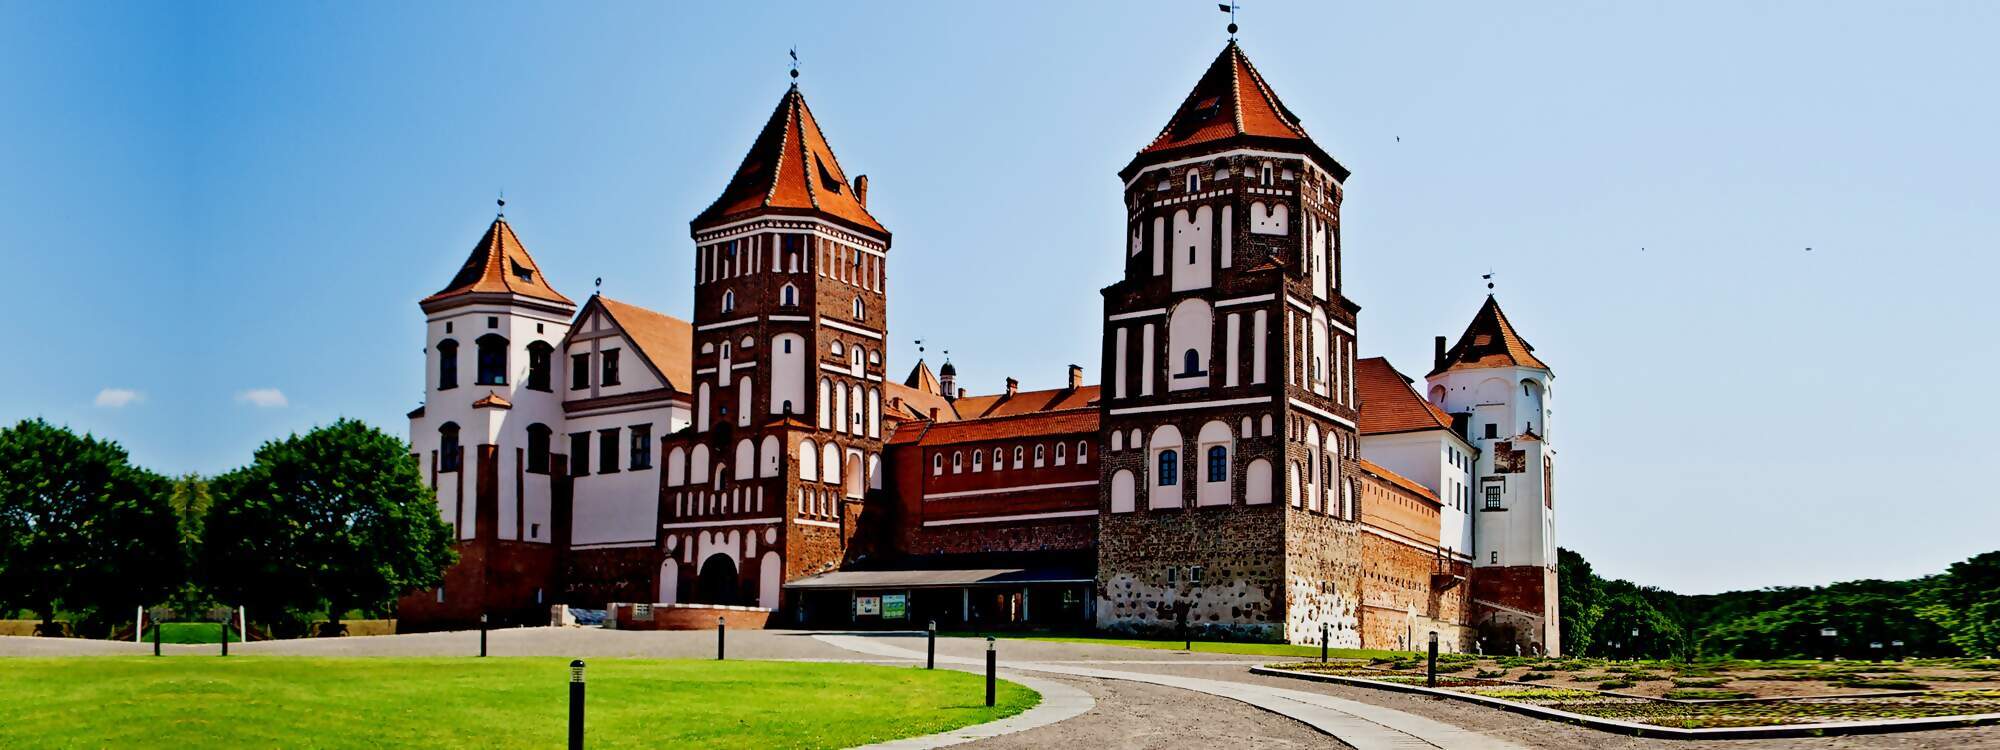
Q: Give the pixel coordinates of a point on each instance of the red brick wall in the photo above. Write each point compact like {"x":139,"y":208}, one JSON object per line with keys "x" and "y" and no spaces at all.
{"x":694,"y":617}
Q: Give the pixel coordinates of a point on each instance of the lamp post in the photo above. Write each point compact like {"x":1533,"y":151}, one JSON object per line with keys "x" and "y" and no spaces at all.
{"x":1636,"y":651}
{"x":1431,"y":674}
{"x":1827,"y":636}
{"x":992,"y":667}
{"x":721,"y":634}
{"x":576,"y":705}
{"x":930,"y":648}
{"x":1899,"y":649}
{"x":482,"y":635}
{"x":1875,"y":651}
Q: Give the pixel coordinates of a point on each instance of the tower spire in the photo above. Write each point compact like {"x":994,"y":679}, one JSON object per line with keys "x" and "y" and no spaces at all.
{"x":1230,"y":8}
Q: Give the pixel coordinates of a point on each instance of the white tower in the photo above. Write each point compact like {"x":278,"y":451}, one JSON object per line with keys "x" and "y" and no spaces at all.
{"x":483,"y":436}
{"x":1499,"y":391}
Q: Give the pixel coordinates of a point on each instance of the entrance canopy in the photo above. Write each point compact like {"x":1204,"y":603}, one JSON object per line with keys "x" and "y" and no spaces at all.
{"x":918,"y":579}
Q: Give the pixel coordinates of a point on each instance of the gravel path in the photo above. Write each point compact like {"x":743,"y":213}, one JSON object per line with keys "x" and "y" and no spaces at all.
{"x":1137,"y":716}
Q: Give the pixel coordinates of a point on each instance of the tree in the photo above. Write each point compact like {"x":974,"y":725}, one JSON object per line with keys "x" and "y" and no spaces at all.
{"x":1580,"y":605}
{"x":190,"y":500}
{"x":1964,"y":601}
{"x":334,"y":520}
{"x":81,"y":529}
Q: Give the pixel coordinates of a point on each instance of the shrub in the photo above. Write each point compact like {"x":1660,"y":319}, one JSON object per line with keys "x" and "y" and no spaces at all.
{"x":1615,"y":684}
{"x":1489,"y":674}
{"x":1703,"y":682}
{"x":1696,"y":694}
{"x":1533,"y":676}
{"x":1882,"y":684}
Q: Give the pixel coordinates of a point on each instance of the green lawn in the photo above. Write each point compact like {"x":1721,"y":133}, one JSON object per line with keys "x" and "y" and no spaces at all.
{"x":187,"y":632}
{"x":288,"y":702}
{"x":1212,"y":647}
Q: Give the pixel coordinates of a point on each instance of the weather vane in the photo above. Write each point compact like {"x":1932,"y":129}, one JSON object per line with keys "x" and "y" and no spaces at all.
{"x":1230,"y":8}
{"x":599,"y":286}
{"x":920,"y":347}
{"x":795,"y":64}
{"x":503,"y":203}
{"x":1488,"y":276}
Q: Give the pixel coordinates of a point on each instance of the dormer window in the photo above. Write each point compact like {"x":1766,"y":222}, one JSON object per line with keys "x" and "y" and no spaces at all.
{"x":1194,"y":182}
{"x":523,"y":272}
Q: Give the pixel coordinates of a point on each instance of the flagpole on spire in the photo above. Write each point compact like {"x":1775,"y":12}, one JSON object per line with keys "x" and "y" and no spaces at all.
{"x":1230,"y":8}
{"x":795,"y":66}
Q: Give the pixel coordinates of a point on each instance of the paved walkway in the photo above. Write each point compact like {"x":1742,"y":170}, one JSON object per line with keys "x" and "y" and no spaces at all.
{"x":1361,"y":725}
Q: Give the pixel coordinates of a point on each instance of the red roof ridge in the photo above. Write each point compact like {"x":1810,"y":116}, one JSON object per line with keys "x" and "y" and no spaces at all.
{"x":485,"y":270}
{"x":1389,"y":404}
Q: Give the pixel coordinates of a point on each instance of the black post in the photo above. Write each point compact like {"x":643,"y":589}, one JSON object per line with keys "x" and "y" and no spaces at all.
{"x":482,"y":636}
{"x":156,"y":637}
{"x":1432,"y":679}
{"x":1899,"y":649}
{"x":1180,"y":619}
{"x":930,"y":648}
{"x":1324,"y":629}
{"x":1875,"y":651}
{"x":992,"y":666}
{"x":225,"y":636}
{"x":576,"y":705}
{"x":721,"y":635}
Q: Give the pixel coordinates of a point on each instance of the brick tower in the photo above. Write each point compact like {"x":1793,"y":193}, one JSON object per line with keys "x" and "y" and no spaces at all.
{"x":1229,"y":410}
{"x":789,"y":312}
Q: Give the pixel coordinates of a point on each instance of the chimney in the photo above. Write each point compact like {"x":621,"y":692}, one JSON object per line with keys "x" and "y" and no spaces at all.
{"x":1013,"y":387}
{"x":961,"y":393}
{"x":934,"y":411}
{"x":1437,"y":358}
{"x":861,"y":190}
{"x":1075,"y":377}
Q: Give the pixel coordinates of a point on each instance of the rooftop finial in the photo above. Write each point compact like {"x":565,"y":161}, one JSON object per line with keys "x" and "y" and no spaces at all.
{"x":795,"y":66}
{"x":503,"y":203}
{"x":1230,"y":8}
{"x":599,"y":287}
{"x":1488,"y":276}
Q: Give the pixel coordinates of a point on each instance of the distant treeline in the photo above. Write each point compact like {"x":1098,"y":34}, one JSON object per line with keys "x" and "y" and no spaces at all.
{"x":1952,"y":613}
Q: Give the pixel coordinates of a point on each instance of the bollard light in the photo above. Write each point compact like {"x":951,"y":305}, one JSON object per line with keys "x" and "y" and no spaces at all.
{"x":576,"y":705}
{"x":1431,"y":679}
{"x":1324,"y":631}
{"x":1875,"y":651}
{"x":992,"y":667}
{"x":721,"y":631}
{"x":1828,"y":635}
{"x":482,"y":635}
{"x":930,"y":647}
{"x":1899,"y":649}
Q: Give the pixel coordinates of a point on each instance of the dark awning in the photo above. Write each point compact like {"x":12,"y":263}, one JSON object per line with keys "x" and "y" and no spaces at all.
{"x":914,"y":579}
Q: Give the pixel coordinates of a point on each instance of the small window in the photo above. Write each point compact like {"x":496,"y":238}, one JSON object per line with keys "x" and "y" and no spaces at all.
{"x":1017,"y":456}
{"x":579,"y":454}
{"x":1082,"y":451}
{"x":447,"y":364}
{"x":1170,"y":468}
{"x":579,"y":371}
{"x":937,"y":464}
{"x":1495,"y":559}
{"x":1218,"y":464}
{"x":610,"y":362}
{"x":1493,"y":497}
{"x":999,"y":459}
{"x":535,"y":532}
{"x":1041,"y":452}
{"x":492,"y":321}
{"x":837,"y":349}
{"x":789,"y":296}
{"x":451,"y":456}
{"x":978,"y":461}
{"x":1195,"y":575}
{"x":607,"y":451}
{"x":538,"y":449}
{"x":728,"y":300}
{"x":539,"y":354}
{"x":1194,"y":182}
{"x":1173,"y":576}
{"x":957,"y":462}
{"x":860,"y":312}
{"x":447,"y":326}
{"x":642,"y":446}
{"x":521,"y":272}
{"x":1264,"y":176}
{"x":1191,"y":362}
{"x":1492,"y":431}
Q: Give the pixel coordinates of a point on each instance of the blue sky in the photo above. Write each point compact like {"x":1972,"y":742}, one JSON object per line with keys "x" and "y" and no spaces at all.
{"x":230,"y":210}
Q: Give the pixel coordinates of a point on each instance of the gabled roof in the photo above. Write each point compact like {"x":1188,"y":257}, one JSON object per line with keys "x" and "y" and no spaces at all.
{"x":499,"y":264}
{"x":921,"y":379}
{"x":666,"y":343}
{"x":1033,"y":424}
{"x":1026,"y":402}
{"x":1490,"y":341}
{"x":905,"y":402}
{"x":492,"y":400}
{"x":790,"y":169}
{"x":1231,"y":100}
{"x":1389,"y":405}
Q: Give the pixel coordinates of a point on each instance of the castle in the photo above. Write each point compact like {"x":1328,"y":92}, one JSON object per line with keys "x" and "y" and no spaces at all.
{"x":1241,"y":470}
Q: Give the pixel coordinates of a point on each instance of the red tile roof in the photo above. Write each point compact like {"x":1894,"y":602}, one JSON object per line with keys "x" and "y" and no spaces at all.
{"x":1389,"y":405}
{"x":921,"y":379}
{"x":1068,"y":422}
{"x":1026,"y":402}
{"x":790,"y":169}
{"x":666,"y":342}
{"x":1399,"y":480}
{"x":916,"y":403}
{"x":492,"y":400}
{"x":496,"y":266}
{"x":1232,"y":100}
{"x":1490,"y":341}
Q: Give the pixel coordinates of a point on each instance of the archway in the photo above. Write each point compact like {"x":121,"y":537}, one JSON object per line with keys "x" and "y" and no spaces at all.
{"x":718,"y":582}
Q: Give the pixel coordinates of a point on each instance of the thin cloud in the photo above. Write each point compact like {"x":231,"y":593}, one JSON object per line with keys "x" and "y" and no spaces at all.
{"x":263,"y":398}
{"x":118,"y":398}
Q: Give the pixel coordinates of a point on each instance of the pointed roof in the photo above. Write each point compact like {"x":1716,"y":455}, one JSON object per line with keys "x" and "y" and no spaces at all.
{"x":499,"y":264}
{"x":1389,"y":405}
{"x":1232,"y":101}
{"x":921,"y":379}
{"x":791,"y":169}
{"x":1490,"y":341}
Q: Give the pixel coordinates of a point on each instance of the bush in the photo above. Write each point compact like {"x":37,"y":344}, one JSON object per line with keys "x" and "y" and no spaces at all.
{"x":1695,"y":694}
{"x":1703,"y":682}
{"x":1882,"y":684}
{"x":1488,"y":674}
{"x":1615,"y":684}
{"x":1533,"y":676}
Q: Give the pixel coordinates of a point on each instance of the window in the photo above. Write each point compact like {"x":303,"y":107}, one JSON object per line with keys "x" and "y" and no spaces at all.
{"x":1170,"y":468}
{"x":607,"y":451}
{"x":937,"y":464}
{"x":1173,"y":576}
{"x":1041,"y":451}
{"x":1493,"y":497}
{"x":447,"y":326}
{"x":1191,"y":362}
{"x":789,"y":296}
{"x":538,"y":449}
{"x":1017,"y":456}
{"x":1495,"y":558}
{"x":1492,"y":431}
{"x":539,"y":354}
{"x":447,"y":365}
{"x":579,"y":371}
{"x":1195,"y":575}
{"x":957,"y":462}
{"x":521,"y":272}
{"x":642,"y":446}
{"x":492,"y":360}
{"x":1194,"y":182}
{"x":535,"y":532}
{"x":1062,"y":453}
{"x":579,"y":453}
{"x":979,"y":460}
{"x":860,"y":312}
{"x":837,"y":349}
{"x":999,"y":459}
{"x":728,"y":300}
{"x":492,"y":321}
{"x":450,"y":455}
{"x":1082,"y":451}
{"x":610,"y":364}
{"x":1218,"y":464}
{"x":1264,"y":176}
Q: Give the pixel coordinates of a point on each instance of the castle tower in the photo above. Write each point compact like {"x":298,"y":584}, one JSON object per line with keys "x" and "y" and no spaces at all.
{"x":1493,"y":383}
{"x":789,"y":350}
{"x":482,"y":437}
{"x":1228,"y":410}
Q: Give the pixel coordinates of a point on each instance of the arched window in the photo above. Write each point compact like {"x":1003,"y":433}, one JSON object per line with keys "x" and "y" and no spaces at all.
{"x":957,"y":461}
{"x":1193,"y":181}
{"x":1062,"y":453}
{"x":538,"y":449}
{"x":450,"y":455}
{"x":1017,"y":456}
{"x":1041,"y":454}
{"x":837,"y":349}
{"x":539,"y":356}
{"x":447,"y":365}
{"x":789,"y":296}
{"x":1218,"y":464}
{"x":860,"y":313}
{"x":1170,"y":468}
{"x":728,"y":300}
{"x":1082,"y":451}
{"x":492,"y":360}
{"x":979,"y":461}
{"x":999,"y":459}
{"x":1117,"y":441}
{"x":1191,"y":362}
{"x":937,"y":464}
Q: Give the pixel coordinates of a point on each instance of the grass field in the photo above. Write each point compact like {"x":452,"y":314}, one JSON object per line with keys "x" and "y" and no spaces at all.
{"x":1210,"y":647}
{"x":186,"y":632}
{"x":285,"y":702}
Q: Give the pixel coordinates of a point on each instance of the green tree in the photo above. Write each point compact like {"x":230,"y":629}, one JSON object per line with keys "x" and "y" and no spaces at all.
{"x":1580,"y":605}
{"x":190,"y":500}
{"x":1964,"y":602}
{"x":330,"y":521}
{"x":84,"y":531}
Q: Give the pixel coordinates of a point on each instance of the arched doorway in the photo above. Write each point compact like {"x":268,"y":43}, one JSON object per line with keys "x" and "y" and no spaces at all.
{"x":718,"y":583}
